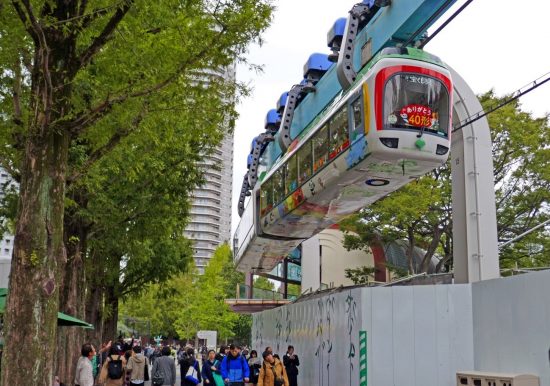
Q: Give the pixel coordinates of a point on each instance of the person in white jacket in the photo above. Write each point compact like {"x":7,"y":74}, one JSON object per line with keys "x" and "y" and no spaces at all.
{"x":84,"y":373}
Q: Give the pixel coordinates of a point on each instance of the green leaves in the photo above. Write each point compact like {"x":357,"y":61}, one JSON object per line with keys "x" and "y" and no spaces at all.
{"x":190,"y":302}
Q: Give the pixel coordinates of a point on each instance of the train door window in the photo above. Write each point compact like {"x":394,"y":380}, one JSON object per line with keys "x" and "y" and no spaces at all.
{"x":266,"y":197}
{"x":278,"y":179}
{"x":305,"y":163}
{"x":320,"y":148}
{"x":291,"y":175}
{"x":339,"y":139}
{"x":357,"y":117}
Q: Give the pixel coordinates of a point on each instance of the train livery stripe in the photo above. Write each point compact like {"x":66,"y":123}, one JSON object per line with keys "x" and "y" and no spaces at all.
{"x":366,"y":106}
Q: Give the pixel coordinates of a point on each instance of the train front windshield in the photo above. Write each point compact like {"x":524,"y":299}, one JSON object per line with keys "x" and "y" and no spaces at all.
{"x":414,"y":101}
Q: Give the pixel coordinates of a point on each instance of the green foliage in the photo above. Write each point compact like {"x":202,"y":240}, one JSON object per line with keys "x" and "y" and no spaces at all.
{"x":191,"y":302}
{"x":420,"y":212}
{"x":360,"y":275}
{"x":294,"y":290}
{"x":261,"y":282}
{"x":124,"y":98}
{"x":521,"y":157}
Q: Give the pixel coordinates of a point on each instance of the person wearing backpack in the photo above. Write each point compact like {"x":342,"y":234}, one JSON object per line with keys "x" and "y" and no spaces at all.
{"x":189,"y":361}
{"x":112,"y":372}
{"x":234,"y":368}
{"x":272,"y":372}
{"x":164,"y":369}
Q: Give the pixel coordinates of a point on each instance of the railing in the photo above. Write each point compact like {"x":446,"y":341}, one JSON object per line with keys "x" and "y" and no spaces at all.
{"x":204,"y":194}
{"x":260,"y":294}
{"x":205,"y":211}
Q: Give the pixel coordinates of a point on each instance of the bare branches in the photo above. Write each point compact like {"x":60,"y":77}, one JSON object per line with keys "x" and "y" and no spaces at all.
{"x":106,"y":34}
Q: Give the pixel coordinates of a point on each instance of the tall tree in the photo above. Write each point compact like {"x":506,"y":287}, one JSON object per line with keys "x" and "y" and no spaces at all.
{"x":87,"y":71}
{"x":420,"y":212}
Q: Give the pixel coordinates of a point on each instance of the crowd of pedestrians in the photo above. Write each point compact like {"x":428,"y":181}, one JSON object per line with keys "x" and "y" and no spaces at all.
{"x":128,"y":364}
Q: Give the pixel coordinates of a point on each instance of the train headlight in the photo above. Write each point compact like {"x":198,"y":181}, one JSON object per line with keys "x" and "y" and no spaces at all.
{"x":441,"y":150}
{"x":390,"y":142}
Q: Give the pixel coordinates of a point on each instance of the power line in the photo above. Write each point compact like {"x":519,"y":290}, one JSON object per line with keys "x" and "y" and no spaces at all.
{"x":517,"y":94}
{"x":427,"y":23}
{"x":523,"y":234}
{"x":427,"y":40}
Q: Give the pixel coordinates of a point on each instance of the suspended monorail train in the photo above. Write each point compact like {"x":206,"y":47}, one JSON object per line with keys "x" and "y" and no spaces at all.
{"x":390,"y":127}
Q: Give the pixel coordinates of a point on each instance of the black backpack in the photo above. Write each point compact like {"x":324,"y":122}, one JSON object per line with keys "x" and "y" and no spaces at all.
{"x":158,"y":376}
{"x":114,"y":368}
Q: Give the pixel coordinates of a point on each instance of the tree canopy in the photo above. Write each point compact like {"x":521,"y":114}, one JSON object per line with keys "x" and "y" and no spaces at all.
{"x":105,"y":108}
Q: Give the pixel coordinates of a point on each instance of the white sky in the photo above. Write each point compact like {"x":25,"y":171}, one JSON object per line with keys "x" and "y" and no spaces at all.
{"x":499,"y":44}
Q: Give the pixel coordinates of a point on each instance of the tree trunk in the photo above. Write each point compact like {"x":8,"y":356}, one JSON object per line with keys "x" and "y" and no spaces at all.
{"x":72,"y":302}
{"x":39,"y":254}
{"x":94,"y":315}
{"x":427,"y":259}
{"x":38,"y":257}
{"x":111,"y":320}
{"x":410,"y":250}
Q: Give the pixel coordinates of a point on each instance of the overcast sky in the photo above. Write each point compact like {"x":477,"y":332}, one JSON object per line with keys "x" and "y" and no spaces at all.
{"x":499,"y":44}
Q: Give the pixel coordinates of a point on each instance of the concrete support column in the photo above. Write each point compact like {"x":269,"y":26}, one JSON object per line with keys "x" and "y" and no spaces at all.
{"x":475,"y":246}
{"x":249,"y":282}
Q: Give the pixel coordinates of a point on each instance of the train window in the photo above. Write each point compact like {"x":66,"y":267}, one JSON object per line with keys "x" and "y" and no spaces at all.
{"x":278,"y":179}
{"x":291,"y":175}
{"x":305,"y":162}
{"x":320,"y":148}
{"x":339,"y":139}
{"x":266,"y":197}
{"x":357,"y":116}
{"x":414,"y":101}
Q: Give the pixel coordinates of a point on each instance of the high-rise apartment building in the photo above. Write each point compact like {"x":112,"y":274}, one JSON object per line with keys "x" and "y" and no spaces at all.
{"x":210,"y":222}
{"x":6,"y":240}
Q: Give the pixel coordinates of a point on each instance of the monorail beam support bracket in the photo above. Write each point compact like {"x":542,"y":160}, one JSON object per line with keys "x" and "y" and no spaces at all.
{"x":288,"y":114}
{"x":475,"y":245}
{"x":358,"y":17}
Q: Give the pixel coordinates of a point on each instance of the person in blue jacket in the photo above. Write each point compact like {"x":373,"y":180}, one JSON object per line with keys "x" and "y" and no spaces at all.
{"x":234,"y":368}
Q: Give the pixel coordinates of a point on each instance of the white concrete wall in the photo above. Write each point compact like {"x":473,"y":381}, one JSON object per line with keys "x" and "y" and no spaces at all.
{"x":512,"y":325}
{"x":310,"y":264}
{"x":415,"y":335}
{"x":323,"y":330}
{"x":333,"y":263}
{"x":419,"y":335}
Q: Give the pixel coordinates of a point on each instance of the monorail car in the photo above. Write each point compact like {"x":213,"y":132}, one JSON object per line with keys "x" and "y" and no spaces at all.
{"x":390,"y":127}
